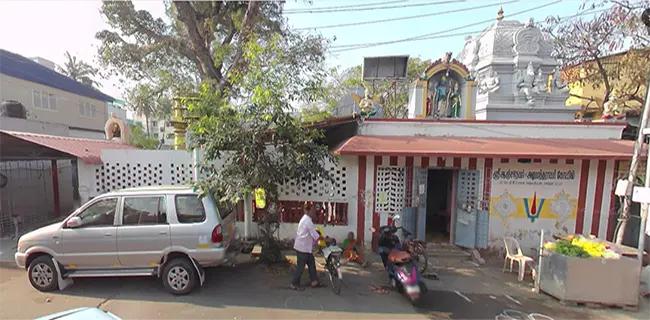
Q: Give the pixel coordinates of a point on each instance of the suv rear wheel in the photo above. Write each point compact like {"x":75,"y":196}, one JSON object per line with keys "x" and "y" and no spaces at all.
{"x":42,"y":274}
{"x":179,"y":276}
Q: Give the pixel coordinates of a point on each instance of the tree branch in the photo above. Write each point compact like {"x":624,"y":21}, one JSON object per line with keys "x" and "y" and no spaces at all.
{"x":246,"y":29}
{"x":188,"y":16}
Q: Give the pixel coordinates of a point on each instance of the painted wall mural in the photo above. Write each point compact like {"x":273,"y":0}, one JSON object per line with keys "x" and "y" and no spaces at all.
{"x":526,"y":198}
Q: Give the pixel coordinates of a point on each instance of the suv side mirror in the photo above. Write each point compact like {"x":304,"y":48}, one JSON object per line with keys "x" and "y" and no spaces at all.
{"x":74,"y":222}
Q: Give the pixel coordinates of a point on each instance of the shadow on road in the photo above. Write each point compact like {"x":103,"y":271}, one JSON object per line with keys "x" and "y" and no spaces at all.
{"x":254,"y":285}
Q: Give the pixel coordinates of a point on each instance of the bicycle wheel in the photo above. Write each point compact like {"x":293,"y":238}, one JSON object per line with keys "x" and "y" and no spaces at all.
{"x":334,"y":273}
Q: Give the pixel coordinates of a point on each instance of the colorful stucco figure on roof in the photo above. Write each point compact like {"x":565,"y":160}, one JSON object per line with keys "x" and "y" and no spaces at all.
{"x":116,"y":130}
{"x":613,"y":108}
{"x":446,"y":97}
{"x":366,"y":104}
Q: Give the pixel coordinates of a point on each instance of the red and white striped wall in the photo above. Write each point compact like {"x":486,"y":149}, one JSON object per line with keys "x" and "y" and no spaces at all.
{"x":595,"y":199}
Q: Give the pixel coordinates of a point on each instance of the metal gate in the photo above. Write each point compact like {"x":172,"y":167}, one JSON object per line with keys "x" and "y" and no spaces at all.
{"x":466,"y":208}
{"x":420,"y":178}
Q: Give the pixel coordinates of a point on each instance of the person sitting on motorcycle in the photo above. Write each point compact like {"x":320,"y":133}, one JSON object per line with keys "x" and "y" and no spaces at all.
{"x":351,"y":251}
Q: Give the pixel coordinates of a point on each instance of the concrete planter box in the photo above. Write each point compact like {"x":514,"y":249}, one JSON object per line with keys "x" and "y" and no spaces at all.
{"x":591,"y":280}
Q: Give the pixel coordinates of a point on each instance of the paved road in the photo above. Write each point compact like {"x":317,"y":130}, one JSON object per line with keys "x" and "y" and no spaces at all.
{"x":253,"y":292}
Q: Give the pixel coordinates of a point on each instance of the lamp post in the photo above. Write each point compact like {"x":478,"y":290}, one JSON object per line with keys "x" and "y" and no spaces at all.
{"x":643,"y":228}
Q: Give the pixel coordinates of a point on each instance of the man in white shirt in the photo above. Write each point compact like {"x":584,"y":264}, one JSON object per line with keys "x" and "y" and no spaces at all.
{"x":303,"y":244}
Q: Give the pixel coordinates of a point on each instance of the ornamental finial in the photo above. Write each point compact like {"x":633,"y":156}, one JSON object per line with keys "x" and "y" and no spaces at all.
{"x":500,"y":14}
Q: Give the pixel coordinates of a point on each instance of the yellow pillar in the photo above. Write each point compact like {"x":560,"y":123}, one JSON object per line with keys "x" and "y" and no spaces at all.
{"x":180,"y":126}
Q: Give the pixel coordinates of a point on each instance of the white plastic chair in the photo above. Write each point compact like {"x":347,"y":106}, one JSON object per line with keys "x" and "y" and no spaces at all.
{"x":513,"y":253}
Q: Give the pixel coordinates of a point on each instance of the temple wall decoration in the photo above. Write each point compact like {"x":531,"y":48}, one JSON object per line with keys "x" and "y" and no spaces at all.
{"x":446,"y":91}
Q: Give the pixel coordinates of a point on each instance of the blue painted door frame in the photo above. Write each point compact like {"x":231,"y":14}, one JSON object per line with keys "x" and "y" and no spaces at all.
{"x":466,"y":208}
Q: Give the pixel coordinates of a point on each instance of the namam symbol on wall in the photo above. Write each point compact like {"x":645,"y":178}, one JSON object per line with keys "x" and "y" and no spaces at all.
{"x":504,"y":207}
{"x":562,"y":207}
{"x":533,"y":207}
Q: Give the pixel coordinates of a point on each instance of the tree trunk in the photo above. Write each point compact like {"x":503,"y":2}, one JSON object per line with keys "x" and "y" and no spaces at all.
{"x":146,"y":119}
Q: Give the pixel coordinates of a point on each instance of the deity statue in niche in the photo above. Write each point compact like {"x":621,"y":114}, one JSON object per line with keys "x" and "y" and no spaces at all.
{"x":445,"y":100}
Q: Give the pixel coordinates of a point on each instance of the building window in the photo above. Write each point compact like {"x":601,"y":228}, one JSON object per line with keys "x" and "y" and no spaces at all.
{"x":154,"y":123}
{"x":43,"y":100}
{"x":87,"y":109}
{"x":155,"y":135}
{"x":162,"y":129}
{"x":170,"y":136}
{"x":36,"y":97}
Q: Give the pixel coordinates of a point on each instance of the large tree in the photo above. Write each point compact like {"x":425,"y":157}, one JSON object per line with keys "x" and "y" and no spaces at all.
{"x":585,"y":47}
{"x":79,"y":70}
{"x":198,"y":40}
{"x":258,"y":136}
{"x":607,"y":51}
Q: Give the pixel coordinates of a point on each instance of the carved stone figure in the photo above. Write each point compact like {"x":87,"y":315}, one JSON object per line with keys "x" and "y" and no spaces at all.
{"x":540,"y":82}
{"x":557,"y":85}
{"x":526,"y":83}
{"x":527,"y":38}
{"x":489,"y":84}
{"x":475,"y":45}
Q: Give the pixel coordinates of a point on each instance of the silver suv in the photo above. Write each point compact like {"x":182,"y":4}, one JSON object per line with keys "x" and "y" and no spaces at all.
{"x":165,"y":231}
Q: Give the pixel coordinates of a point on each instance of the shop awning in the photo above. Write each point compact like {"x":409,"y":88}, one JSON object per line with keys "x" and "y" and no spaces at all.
{"x":31,"y":146}
{"x":486,"y":147}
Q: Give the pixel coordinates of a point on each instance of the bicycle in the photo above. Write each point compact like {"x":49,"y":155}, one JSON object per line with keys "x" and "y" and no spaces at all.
{"x":417,"y":249}
{"x":332,"y":254}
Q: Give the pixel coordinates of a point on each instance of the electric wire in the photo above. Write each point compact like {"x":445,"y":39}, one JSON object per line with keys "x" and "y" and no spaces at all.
{"x":434,"y":35}
{"x":307,"y":10}
{"x":382,"y":8}
{"x":407,"y":17}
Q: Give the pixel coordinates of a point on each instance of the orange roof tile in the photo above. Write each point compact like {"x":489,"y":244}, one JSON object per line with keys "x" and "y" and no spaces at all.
{"x":88,"y":150}
{"x":487,"y":147}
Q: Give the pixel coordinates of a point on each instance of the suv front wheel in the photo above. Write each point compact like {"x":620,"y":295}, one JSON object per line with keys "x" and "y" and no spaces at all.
{"x":42,"y":274}
{"x":179,"y":276}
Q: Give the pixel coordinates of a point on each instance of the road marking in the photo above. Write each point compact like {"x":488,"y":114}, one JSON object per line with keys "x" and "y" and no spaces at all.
{"x":463,"y":296}
{"x":513,"y":299}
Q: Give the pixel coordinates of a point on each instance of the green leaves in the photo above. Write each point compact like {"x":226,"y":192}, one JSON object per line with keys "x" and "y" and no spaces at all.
{"x":256,"y":134}
{"x":140,"y":139}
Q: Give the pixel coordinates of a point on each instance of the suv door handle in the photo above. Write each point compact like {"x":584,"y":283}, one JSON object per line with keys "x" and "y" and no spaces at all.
{"x":108,"y":234}
{"x":162,"y":232}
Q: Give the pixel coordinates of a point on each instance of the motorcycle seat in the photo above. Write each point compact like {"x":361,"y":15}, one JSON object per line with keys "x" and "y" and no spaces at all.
{"x":398,"y":256}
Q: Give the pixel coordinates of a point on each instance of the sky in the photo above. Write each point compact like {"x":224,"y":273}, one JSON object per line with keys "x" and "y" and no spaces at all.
{"x":49,"y":28}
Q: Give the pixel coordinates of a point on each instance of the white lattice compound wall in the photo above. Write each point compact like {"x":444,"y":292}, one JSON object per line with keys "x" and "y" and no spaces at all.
{"x":391,"y":188}
{"x":134,"y":168}
{"x":321,"y":189}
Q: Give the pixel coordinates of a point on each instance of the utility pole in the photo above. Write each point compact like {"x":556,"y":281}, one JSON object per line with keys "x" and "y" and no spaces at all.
{"x":634,"y":165}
